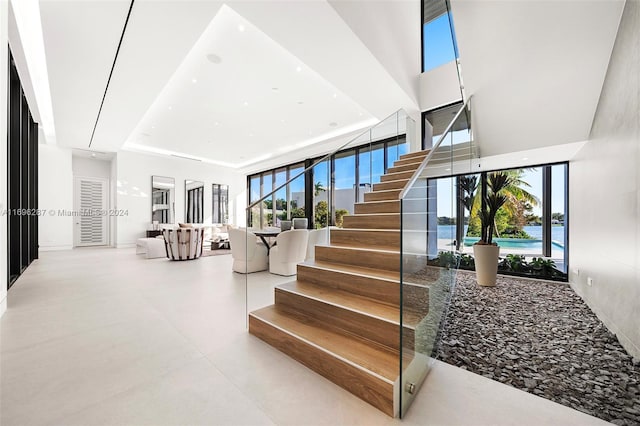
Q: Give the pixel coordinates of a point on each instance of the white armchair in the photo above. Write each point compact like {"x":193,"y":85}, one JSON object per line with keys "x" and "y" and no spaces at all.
{"x":248,"y":255}
{"x":290,"y":249}
{"x":316,"y":237}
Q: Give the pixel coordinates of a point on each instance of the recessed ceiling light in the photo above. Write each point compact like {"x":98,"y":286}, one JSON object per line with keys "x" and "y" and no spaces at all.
{"x":215,"y":123}
{"x":242,"y":157}
{"x":153,"y":127}
{"x":298,"y":68}
{"x":93,"y":154}
{"x":333,"y":124}
{"x":275,"y":89}
{"x":300,"y":102}
{"x":360,"y":114}
{"x":240,"y":27}
{"x":193,"y":80}
{"x":170,"y":107}
{"x":245,"y":103}
{"x":250,"y":134}
{"x":335,"y":95}
{"x":525,"y":158}
{"x":282,"y":121}
{"x":213,"y":58}
{"x":448,"y":170}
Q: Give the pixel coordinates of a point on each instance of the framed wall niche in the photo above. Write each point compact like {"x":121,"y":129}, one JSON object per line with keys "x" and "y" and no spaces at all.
{"x":220,"y":203}
{"x":194,"y":201}
{"x":163,"y":199}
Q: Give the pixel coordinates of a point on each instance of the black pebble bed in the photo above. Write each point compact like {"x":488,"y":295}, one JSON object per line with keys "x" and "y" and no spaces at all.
{"x":542,"y":338}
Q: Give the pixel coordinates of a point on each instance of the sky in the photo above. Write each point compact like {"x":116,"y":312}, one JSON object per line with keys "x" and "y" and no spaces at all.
{"x":438,"y":48}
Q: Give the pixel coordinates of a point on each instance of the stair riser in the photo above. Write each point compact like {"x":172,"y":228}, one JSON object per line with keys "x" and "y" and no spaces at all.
{"x":371,"y":389}
{"x":406,"y":168}
{"x":362,"y":238}
{"x":371,"y":328}
{"x":383,"y":186}
{"x":359,"y":257}
{"x":396,"y":176}
{"x":381,"y":290}
{"x":373,"y":207}
{"x":410,"y":221}
{"x":414,"y":155}
{"x":382,"y":195}
{"x":405,"y":161}
{"x":372,"y":221}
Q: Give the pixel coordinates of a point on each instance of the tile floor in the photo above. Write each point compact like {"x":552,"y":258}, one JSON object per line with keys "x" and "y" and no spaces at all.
{"x":100,"y":336}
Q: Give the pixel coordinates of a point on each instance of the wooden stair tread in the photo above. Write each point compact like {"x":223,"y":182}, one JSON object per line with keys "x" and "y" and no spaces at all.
{"x":353,"y":302}
{"x":415,"y":154}
{"x":377,"y":359}
{"x":356,"y":270}
{"x":346,"y":300}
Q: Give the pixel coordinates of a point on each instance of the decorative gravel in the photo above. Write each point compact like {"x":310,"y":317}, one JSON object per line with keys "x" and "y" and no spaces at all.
{"x":542,"y":338}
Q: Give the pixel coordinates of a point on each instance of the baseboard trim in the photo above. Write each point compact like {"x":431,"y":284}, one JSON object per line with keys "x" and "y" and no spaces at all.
{"x":126,"y":245}
{"x":54,"y":248}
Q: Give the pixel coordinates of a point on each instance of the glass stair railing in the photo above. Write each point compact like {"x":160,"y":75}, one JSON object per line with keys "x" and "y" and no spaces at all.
{"x":425,"y":286}
{"x":362,"y":305}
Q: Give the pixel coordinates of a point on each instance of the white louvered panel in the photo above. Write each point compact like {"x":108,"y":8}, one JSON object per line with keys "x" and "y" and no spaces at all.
{"x":91,"y":200}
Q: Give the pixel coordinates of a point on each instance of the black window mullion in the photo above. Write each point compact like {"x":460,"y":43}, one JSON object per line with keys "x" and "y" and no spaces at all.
{"x":546,"y":211}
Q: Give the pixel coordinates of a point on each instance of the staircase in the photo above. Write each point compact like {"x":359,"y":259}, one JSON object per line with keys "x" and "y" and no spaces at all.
{"x":341,"y":316}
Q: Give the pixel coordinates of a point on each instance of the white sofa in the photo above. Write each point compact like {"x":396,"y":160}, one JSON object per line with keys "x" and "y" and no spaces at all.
{"x":248,"y":255}
{"x":290,"y":249}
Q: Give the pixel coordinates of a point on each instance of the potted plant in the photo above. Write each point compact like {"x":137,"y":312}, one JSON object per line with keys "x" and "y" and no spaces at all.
{"x":485,"y":251}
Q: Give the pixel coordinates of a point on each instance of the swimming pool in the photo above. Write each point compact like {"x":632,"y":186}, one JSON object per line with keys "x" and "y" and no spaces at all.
{"x":516,"y":243}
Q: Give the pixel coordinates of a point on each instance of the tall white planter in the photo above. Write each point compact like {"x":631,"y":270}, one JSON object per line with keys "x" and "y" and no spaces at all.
{"x":486,"y":259}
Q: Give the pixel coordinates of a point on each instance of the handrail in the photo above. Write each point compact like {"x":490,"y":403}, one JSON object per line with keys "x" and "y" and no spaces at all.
{"x":323,"y":159}
{"x":433,"y":149}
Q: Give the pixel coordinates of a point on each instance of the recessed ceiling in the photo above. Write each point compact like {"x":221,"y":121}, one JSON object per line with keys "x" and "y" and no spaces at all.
{"x":239,"y":94}
{"x":185,"y":70}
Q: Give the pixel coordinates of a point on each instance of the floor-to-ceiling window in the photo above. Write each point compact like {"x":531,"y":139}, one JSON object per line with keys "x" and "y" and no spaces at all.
{"x":329,"y":188}
{"x":22,"y":179}
{"x":531,"y":224}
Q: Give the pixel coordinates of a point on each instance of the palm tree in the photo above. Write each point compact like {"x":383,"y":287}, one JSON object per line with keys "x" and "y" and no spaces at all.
{"x":518,"y":199}
{"x":317,"y":188}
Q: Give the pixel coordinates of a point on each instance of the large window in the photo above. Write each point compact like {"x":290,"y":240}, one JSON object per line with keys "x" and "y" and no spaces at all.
{"x":532,"y":223}
{"x":328,"y":190}
{"x":439,"y":43}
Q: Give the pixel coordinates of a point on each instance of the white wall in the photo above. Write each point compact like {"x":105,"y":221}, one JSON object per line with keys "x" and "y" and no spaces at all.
{"x":134,"y":173}
{"x":604,"y":195}
{"x":55,"y":192}
{"x":89,"y":167}
{"x":391,"y":31}
{"x":4,"y":39}
{"x":439,"y":87}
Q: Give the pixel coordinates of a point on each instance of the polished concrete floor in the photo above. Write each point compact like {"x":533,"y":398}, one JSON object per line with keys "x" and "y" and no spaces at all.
{"x":102,"y":336}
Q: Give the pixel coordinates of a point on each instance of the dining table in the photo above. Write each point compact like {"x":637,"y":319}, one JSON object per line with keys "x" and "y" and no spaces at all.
{"x":263,"y":234}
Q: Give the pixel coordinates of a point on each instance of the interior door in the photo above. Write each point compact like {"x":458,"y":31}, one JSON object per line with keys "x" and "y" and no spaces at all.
{"x":90,"y":222}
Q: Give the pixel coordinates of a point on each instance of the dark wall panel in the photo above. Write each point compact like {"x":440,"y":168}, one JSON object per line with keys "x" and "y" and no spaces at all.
{"x":22,"y":180}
